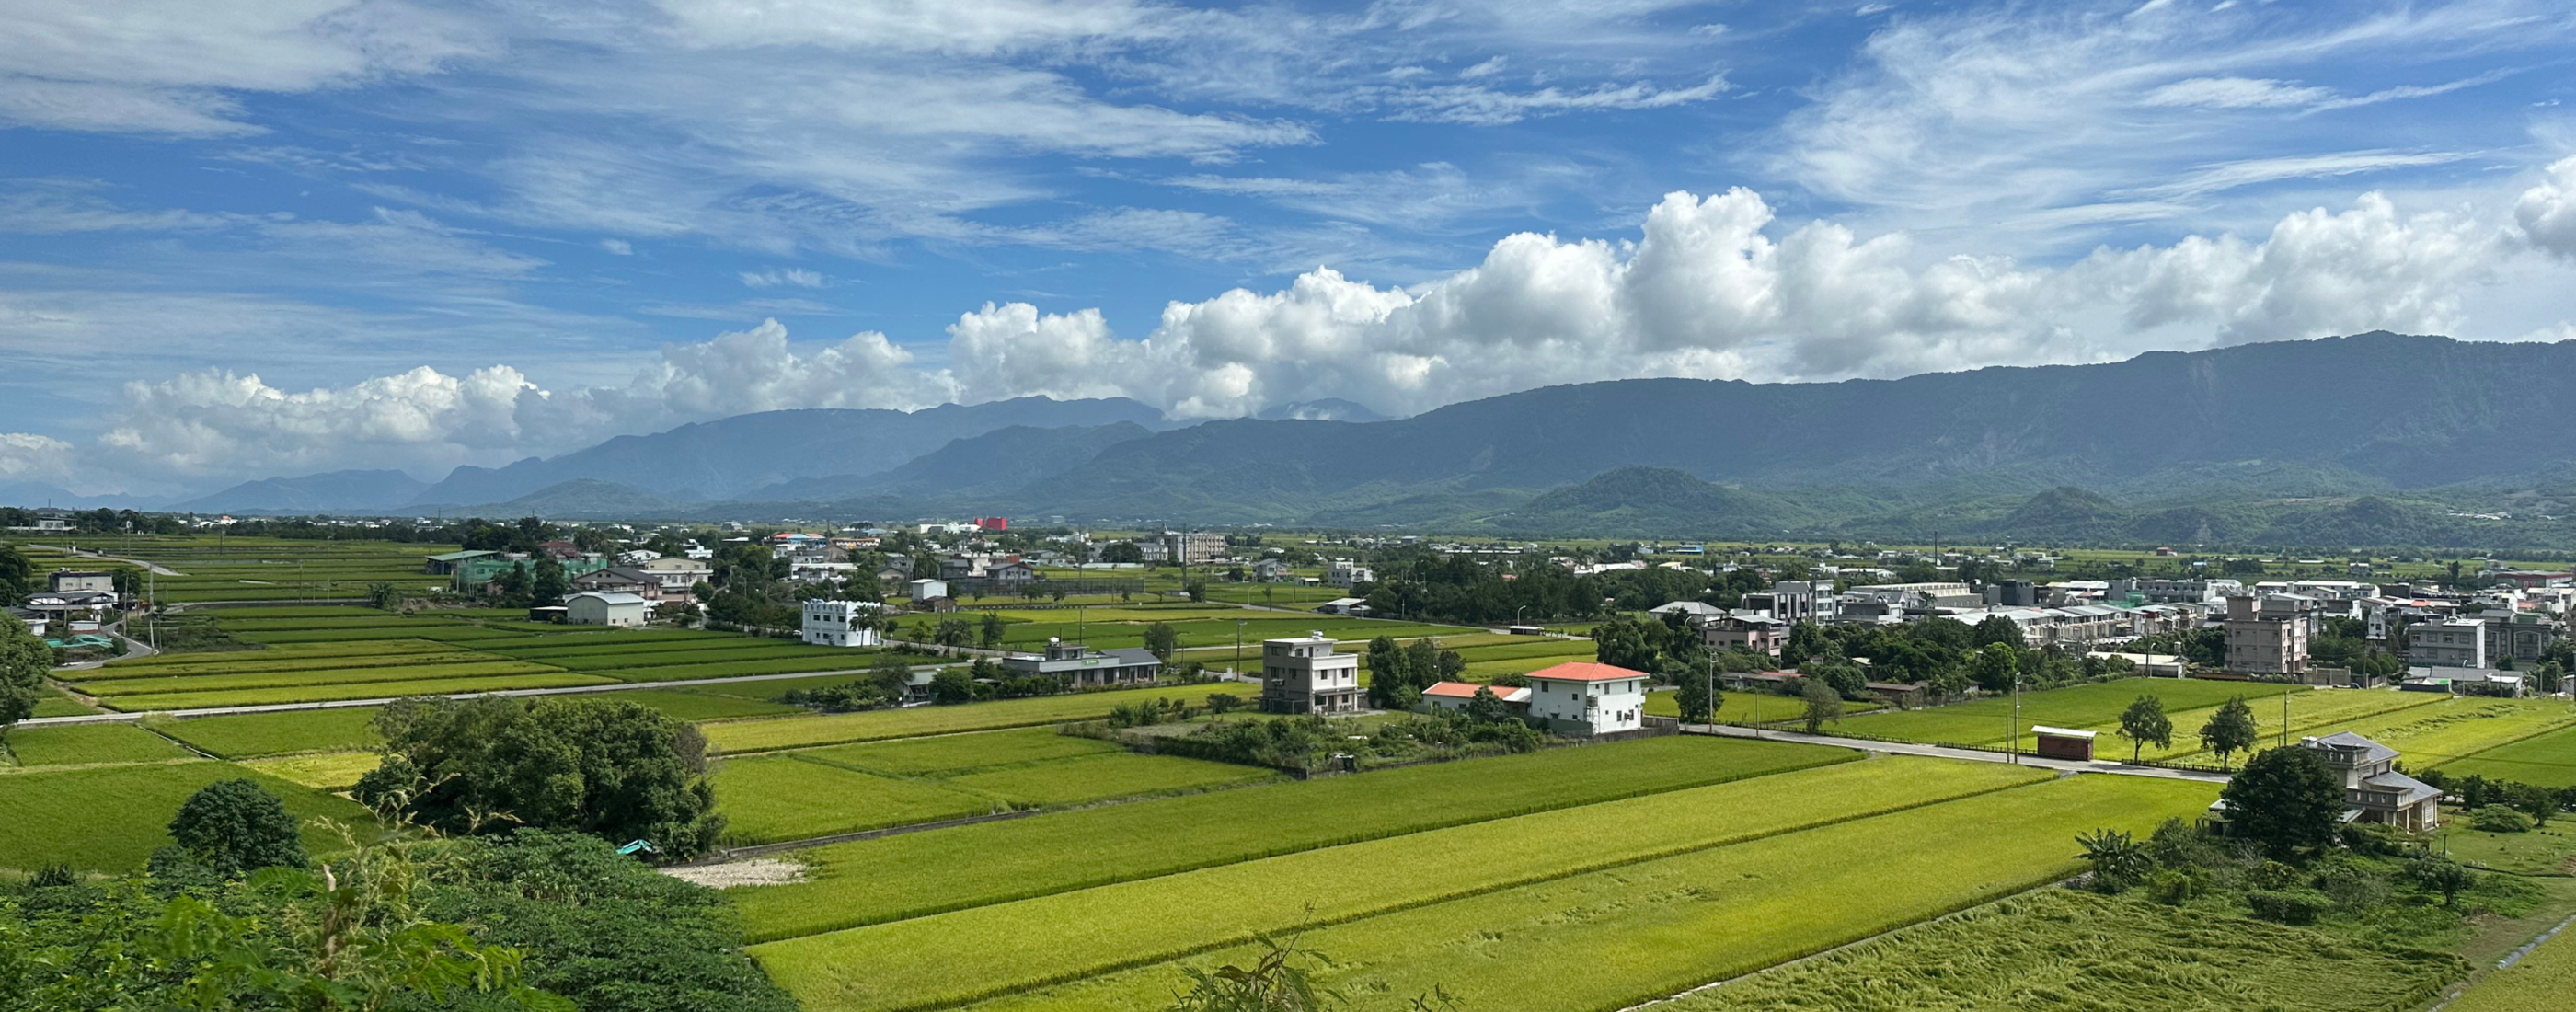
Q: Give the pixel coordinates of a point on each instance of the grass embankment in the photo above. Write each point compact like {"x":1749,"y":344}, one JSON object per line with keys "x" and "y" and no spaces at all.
{"x":2059,"y":948}
{"x":1604,"y":939}
{"x":111,"y":818}
{"x":1015,"y":946}
{"x":973,"y":866}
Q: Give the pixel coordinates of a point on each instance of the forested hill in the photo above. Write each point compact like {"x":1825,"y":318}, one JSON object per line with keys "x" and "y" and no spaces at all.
{"x":2360,"y":413}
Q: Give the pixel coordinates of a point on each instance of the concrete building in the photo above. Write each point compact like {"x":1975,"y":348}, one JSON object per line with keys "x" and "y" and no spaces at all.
{"x":2449,"y":643}
{"x":445,"y":563}
{"x":1306,"y":675}
{"x":2463,"y":681}
{"x":624,"y":610}
{"x":1585,"y":698}
{"x":2372,"y":787}
{"x":1759,"y":633}
{"x":677,"y":575}
{"x":2268,"y":635}
{"x":841,"y":623}
{"x":621,"y":580}
{"x":2142,"y":591}
{"x":924,"y":590}
{"x":73,"y":581}
{"x":1076,"y":664}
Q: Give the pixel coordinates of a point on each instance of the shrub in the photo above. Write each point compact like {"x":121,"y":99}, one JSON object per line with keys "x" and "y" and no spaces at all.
{"x":2289,"y":906}
{"x":2177,"y":886}
{"x":234,"y":827}
{"x":2499,"y":819}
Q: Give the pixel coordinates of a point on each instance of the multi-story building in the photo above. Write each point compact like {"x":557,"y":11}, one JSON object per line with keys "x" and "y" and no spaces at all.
{"x":1080,"y":665}
{"x":2372,"y":787}
{"x":2449,"y":643}
{"x":1759,"y":633}
{"x":1306,"y":675}
{"x":2268,"y":635}
{"x":2173,"y":591}
{"x":841,"y":623}
{"x":1584,"y":698}
{"x":71,"y":581}
{"x":677,"y":575}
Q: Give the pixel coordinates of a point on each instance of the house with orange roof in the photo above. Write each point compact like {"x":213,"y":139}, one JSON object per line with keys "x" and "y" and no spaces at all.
{"x":1585,"y":698}
{"x":1454,"y":696}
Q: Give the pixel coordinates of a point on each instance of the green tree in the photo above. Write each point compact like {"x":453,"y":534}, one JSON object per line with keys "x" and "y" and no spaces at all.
{"x":1390,"y":675}
{"x":1806,"y":639}
{"x":614,"y":769}
{"x":1161,"y":640}
{"x":1486,"y":708}
{"x":2231,"y":730}
{"x":2285,"y":799}
{"x":549,"y":586}
{"x":382,"y":595}
{"x":25,"y":660}
{"x":2118,"y":860}
{"x":951,"y":686}
{"x":17,"y":575}
{"x":1698,"y":698}
{"x":1625,"y":642}
{"x":2144,"y":723}
{"x":1995,"y":629}
{"x":990,"y":634}
{"x":1123,"y":552}
{"x":234,"y":827}
{"x":1994,"y":666}
{"x":1823,"y":704}
{"x":891,"y":674}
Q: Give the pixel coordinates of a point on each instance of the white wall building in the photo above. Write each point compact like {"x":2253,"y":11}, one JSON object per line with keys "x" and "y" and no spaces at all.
{"x":595,"y":608}
{"x":923,"y":590}
{"x":841,"y":623}
{"x":1584,"y":698}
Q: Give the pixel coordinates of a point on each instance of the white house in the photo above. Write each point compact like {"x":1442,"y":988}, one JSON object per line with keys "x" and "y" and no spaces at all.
{"x":678,"y":575}
{"x":596,"y":608}
{"x":923,"y":590}
{"x":1584,"y":698}
{"x":841,"y":623}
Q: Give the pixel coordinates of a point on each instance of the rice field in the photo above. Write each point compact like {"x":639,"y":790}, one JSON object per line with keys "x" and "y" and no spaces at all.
{"x":87,"y":743}
{"x":2454,"y":728}
{"x":2071,"y":949}
{"x":1014,"y":946}
{"x":844,"y":789}
{"x":2540,"y":982}
{"x":322,"y":771}
{"x":877,"y":725}
{"x":260,"y":735}
{"x":1004,"y":861}
{"x":1990,"y":721}
{"x":350,"y":690}
{"x":66,"y":816}
{"x":2547,"y":759}
{"x":1665,"y":923}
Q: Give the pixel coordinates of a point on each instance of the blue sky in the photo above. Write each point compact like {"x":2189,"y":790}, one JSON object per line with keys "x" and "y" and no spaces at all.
{"x":310,"y":235}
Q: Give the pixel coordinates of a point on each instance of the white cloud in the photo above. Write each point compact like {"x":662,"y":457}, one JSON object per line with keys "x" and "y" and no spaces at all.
{"x":2547,"y":212}
{"x":773,"y":277}
{"x":169,"y":66}
{"x":2234,"y":93}
{"x":29,"y":457}
{"x":619,"y":247}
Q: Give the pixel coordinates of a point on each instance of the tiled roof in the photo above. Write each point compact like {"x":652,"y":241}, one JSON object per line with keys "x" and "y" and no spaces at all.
{"x":1467,"y":690}
{"x":1585,"y":671}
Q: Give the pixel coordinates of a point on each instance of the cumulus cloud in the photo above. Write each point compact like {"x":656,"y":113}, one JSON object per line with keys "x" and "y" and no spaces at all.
{"x":2547,"y":212}
{"x":1711,"y":286}
{"x":28,"y":457}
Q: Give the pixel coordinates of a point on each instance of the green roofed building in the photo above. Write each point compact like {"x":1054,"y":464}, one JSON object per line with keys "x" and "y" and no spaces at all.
{"x":445,"y":563}
{"x":473,"y":573}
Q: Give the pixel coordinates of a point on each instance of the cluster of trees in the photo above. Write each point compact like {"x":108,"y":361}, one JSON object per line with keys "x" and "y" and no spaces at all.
{"x":2533,"y":803}
{"x":539,"y":584}
{"x":102,"y":521}
{"x":237,"y":915}
{"x":25,"y":660}
{"x":888,"y":679}
{"x":18,"y":576}
{"x":613,"y":769}
{"x":1420,"y":584}
{"x":1398,"y":674}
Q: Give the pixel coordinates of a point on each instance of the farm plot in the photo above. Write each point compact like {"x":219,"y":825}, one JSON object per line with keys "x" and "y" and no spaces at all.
{"x":110,"y":691}
{"x":2455,"y":728}
{"x":1559,"y":650}
{"x":1168,"y":917}
{"x":2324,"y":712}
{"x":51,"y":702}
{"x":1990,"y":720}
{"x":799,"y":795}
{"x":2088,"y":951}
{"x":260,"y":735}
{"x":88,"y":743}
{"x":631,"y":641}
{"x":2547,"y":759}
{"x":58,"y":816}
{"x":1218,"y":631}
{"x":878,"y":725}
{"x":2541,"y":982}
{"x":950,"y":753}
{"x":322,"y":771}
{"x":1665,"y":924}
{"x":611,"y":661}
{"x":693,"y":705}
{"x":392,"y":653}
{"x":1000,"y":862}
{"x":351,"y":690}
{"x":844,"y":661}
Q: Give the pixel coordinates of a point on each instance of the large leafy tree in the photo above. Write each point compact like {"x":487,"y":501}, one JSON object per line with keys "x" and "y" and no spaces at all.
{"x":1806,"y":639}
{"x":1160,"y":638}
{"x":610,"y":768}
{"x":1997,"y":629}
{"x":234,"y":827}
{"x":1994,"y":666}
{"x":2285,"y":799}
{"x":24,"y":661}
{"x":2231,"y":730}
{"x":1823,"y":704}
{"x":1699,"y":699}
{"x":2145,"y":723}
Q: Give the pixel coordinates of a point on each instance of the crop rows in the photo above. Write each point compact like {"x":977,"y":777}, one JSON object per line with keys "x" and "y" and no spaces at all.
{"x":878,"y":725}
{"x":2541,"y":982}
{"x":109,"y":818}
{"x":735,"y":669}
{"x":324,"y":676}
{"x":1016,"y":946}
{"x":356,"y":690}
{"x":259,"y":735}
{"x":1005,"y":861}
{"x":1990,"y":720}
{"x":301,"y":651}
{"x":2547,"y":759}
{"x":254,"y":662}
{"x":1607,"y":939}
{"x":88,"y":743}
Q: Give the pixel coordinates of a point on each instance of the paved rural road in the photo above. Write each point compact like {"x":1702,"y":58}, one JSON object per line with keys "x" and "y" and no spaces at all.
{"x":338,"y":704}
{"x":101,"y":556}
{"x":1975,"y":755}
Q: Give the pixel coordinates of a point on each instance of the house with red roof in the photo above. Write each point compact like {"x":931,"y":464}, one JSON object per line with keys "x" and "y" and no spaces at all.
{"x":1584,"y":698}
{"x":1453,"y":696}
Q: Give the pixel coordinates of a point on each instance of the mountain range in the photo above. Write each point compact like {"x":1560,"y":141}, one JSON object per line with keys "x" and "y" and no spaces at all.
{"x":2375,"y":438}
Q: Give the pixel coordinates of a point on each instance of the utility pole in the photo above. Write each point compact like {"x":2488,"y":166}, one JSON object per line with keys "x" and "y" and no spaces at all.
{"x":2015,"y":729}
